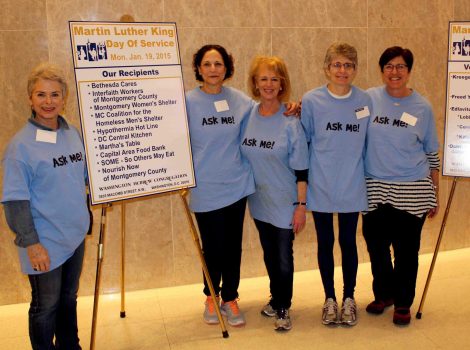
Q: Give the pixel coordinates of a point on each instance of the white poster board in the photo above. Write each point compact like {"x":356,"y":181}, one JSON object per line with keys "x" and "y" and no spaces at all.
{"x":132,"y":108}
{"x":457,"y":125}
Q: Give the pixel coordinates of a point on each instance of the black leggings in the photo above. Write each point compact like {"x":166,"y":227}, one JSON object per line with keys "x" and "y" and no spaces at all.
{"x":347,"y":241}
{"x":221,"y":235}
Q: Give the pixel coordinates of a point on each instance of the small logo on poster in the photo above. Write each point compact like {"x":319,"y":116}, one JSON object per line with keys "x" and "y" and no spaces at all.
{"x":92,"y":52}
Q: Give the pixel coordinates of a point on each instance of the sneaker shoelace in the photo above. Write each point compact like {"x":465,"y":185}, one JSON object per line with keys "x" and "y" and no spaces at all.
{"x":282,"y":314}
{"x":349,"y":307}
{"x":210,"y":305}
{"x":330,"y":307}
{"x":233,"y":306}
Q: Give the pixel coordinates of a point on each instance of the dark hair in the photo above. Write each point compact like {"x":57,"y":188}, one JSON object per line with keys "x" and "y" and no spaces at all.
{"x":396,"y":51}
{"x":228,"y":60}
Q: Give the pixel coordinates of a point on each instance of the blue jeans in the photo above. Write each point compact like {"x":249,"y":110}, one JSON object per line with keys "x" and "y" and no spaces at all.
{"x":53,"y":309}
{"x":347,"y":241}
{"x":279,"y":260}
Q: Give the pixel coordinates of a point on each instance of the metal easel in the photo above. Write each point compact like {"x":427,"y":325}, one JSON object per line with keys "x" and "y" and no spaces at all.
{"x":436,"y":250}
{"x":195,"y":235}
{"x":104,"y":207}
{"x":128,"y":19}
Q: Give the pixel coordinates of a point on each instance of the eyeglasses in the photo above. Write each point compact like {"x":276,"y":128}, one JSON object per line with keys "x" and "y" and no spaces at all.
{"x":346,"y":66}
{"x":400,"y":67}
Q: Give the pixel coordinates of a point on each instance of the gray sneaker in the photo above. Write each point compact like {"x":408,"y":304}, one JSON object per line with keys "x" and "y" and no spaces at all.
{"x":349,"y":312}
{"x":283,"y":322}
{"x":268,"y":310}
{"x":234,"y":316}
{"x":210,"y":316}
{"x":330,"y":312}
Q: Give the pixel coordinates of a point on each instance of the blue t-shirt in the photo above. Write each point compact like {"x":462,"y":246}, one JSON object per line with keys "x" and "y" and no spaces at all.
{"x":275,"y":146}
{"x":396,"y":149}
{"x":336,"y":131}
{"x":51,"y":176}
{"x":222,"y":175}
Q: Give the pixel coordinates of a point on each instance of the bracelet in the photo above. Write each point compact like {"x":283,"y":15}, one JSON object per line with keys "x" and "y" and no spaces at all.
{"x":299,"y":203}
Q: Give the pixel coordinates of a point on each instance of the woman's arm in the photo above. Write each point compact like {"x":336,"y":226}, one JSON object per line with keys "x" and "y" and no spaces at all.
{"x":20,"y":220}
{"x":434,"y":163}
{"x":435,"y":181}
{"x":299,"y":217}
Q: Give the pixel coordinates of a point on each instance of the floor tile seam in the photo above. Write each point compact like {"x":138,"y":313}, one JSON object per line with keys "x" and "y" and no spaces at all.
{"x":159,"y":301}
{"x":425,"y":333}
{"x":114,"y":323}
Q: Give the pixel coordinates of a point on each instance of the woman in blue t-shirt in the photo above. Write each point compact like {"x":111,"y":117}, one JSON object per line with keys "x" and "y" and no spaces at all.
{"x":44,"y":198}
{"x":335,"y":117}
{"x":224,"y":178}
{"x":278,"y":154}
{"x":402,"y":174}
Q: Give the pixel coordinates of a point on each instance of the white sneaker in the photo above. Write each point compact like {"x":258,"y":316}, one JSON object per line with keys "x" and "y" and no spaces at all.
{"x":268,"y":310}
{"x":349,"y":312}
{"x":283,"y":322}
{"x":330,"y":312}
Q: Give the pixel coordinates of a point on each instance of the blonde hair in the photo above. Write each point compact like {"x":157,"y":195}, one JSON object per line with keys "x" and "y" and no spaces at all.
{"x":340,"y":49}
{"x":277,"y":65}
{"x":47,"y":71}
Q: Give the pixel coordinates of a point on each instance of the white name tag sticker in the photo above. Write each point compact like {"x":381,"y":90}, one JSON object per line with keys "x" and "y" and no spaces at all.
{"x":46,"y":136}
{"x":362,"y":112}
{"x":221,"y":106}
{"x":408,"y":119}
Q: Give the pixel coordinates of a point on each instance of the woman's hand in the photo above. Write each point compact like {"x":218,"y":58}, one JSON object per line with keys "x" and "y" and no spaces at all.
{"x":293,"y":109}
{"x":435,"y":179}
{"x":433,"y":212}
{"x":299,"y":218}
{"x":38,"y":257}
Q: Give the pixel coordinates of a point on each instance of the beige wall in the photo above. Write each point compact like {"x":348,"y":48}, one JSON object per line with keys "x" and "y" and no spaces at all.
{"x":159,"y":247}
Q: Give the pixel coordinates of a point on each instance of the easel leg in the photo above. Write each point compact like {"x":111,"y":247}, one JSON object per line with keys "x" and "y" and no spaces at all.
{"x":125,"y":19}
{"x":98,"y":275}
{"x":203,"y":262}
{"x":123,"y":251}
{"x":436,"y":250}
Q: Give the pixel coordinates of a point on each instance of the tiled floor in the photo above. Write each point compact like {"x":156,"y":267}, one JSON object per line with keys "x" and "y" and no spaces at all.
{"x":171,"y":318}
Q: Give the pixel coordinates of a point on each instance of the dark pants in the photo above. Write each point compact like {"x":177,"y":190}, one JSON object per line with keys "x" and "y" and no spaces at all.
{"x":347,"y":241}
{"x":221,"y":235}
{"x":384,"y":227}
{"x":279,"y":259}
{"x":53,"y":309}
